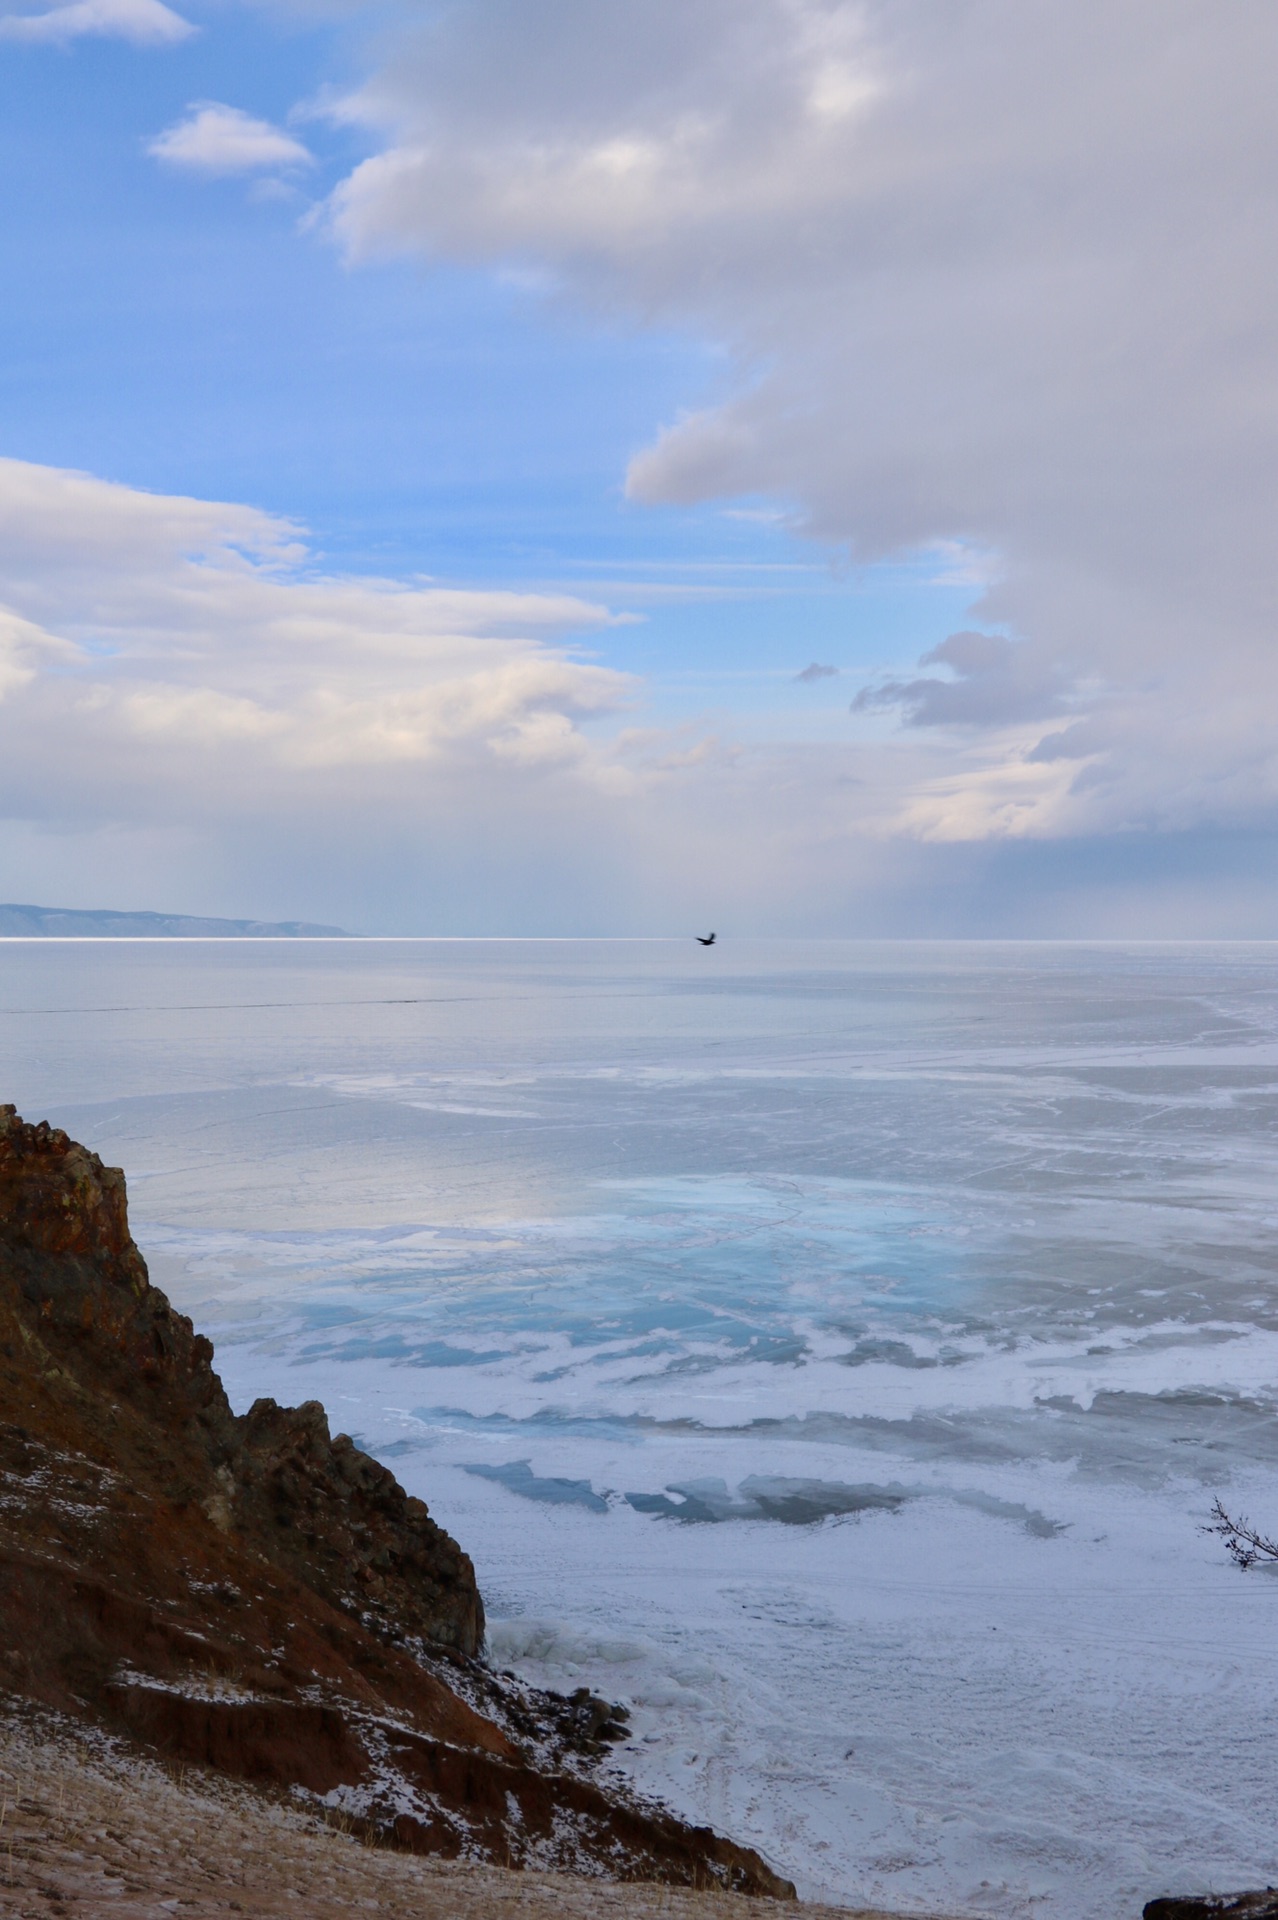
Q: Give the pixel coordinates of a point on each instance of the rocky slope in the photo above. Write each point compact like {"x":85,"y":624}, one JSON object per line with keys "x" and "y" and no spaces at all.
{"x":88,"y":1828}
{"x":253,"y":1595}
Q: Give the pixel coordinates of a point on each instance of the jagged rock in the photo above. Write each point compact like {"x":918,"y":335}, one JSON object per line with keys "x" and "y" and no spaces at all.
{"x":251,"y":1594}
{"x":346,"y":1526}
{"x":1216,"y":1906}
{"x":331,"y":1513}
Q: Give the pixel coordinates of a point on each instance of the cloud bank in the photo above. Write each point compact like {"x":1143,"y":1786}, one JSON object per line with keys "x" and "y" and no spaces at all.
{"x":149,"y":636}
{"x":193,"y":711}
{"x":166,"y":660}
{"x":999,"y":280}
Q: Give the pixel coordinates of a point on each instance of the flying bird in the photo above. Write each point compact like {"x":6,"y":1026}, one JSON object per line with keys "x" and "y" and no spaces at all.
{"x":705,"y":939}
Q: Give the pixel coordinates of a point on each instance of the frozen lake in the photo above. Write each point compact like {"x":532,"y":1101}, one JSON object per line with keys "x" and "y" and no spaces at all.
{"x":831,"y":1349}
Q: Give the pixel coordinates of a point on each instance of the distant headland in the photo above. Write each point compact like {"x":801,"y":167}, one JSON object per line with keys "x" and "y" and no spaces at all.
{"x":73,"y":923}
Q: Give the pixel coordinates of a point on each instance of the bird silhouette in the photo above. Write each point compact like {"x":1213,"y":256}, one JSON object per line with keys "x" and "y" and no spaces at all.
{"x":705,"y":939}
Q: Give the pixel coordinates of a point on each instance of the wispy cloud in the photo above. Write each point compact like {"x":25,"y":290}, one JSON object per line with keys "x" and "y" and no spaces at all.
{"x":147,"y":23}
{"x":816,"y":672}
{"x":217,"y":139}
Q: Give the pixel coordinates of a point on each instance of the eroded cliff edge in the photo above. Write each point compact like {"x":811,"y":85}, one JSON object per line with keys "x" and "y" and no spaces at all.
{"x":251,"y":1594}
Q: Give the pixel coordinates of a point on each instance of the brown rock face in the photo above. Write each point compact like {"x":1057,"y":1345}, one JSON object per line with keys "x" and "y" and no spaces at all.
{"x":327,"y":1511}
{"x":252,"y":1594}
{"x":348,"y":1529}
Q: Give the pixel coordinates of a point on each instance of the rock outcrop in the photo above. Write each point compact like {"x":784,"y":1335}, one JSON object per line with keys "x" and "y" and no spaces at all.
{"x":331,"y":1514}
{"x":1216,"y":1906}
{"x":254,"y":1595}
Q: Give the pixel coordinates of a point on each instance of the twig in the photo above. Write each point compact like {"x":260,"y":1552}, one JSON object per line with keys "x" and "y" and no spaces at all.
{"x":1244,"y":1545}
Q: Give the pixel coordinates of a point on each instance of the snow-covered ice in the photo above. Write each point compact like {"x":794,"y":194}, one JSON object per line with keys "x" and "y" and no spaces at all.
{"x":831,"y":1350}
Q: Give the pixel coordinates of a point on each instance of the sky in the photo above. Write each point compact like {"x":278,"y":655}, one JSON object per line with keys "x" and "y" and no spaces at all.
{"x":602,"y":467}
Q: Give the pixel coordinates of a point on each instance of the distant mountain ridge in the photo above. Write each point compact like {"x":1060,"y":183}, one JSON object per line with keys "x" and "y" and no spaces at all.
{"x":74,"y":923}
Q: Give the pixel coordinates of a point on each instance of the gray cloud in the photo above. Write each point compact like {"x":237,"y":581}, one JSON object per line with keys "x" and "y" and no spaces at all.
{"x":1077,"y":742}
{"x":996,"y":682}
{"x":995,"y":276}
{"x":816,"y":672}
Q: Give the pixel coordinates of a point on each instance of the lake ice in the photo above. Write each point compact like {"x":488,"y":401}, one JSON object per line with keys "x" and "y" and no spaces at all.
{"x":831,"y":1349}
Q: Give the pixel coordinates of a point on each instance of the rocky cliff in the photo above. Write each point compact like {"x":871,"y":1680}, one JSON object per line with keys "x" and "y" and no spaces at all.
{"x":252,"y":1594}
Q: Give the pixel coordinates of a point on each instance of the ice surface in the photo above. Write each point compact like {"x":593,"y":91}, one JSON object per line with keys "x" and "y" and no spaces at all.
{"x":831,"y":1350}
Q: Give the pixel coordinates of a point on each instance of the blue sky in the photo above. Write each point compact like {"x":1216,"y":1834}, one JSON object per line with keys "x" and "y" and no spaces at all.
{"x":726,"y":340}
{"x":189,"y":335}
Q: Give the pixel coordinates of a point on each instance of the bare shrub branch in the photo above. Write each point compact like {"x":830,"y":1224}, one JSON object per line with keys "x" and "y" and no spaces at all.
{"x":1242,"y":1542}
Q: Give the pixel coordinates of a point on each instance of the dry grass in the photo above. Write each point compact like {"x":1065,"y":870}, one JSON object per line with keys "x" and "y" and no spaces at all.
{"x":91,"y":1830}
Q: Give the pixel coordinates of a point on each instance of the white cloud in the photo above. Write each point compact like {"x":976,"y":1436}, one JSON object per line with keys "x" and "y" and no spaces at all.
{"x":147,"y":23}
{"x":153,"y":648}
{"x":1001,"y":281}
{"x":219,"y":139}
